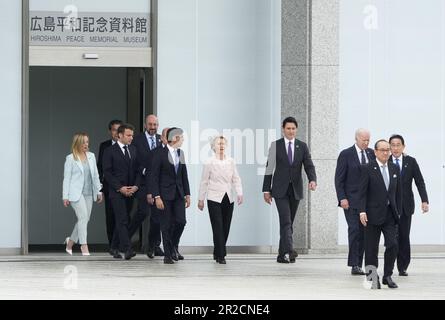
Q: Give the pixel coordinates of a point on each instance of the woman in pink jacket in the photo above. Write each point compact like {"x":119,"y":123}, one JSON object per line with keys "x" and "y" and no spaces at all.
{"x":219,"y":178}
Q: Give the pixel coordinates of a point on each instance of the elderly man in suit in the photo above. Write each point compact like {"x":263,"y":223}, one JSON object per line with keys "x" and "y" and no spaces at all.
{"x":380,"y":207}
{"x":170,"y":188}
{"x":122,"y":173}
{"x":284,"y":183}
{"x":348,"y":175}
{"x":409,"y":170}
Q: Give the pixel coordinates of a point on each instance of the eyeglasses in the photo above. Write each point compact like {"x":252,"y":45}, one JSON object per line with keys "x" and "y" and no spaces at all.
{"x":384,"y":150}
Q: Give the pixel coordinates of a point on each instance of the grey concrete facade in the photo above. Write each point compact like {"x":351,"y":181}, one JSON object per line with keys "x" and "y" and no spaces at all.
{"x":310,"y":67}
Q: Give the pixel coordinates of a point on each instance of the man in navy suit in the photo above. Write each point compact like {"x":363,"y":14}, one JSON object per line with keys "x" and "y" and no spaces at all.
{"x":109,"y":214}
{"x":380,"y":206}
{"x":146,"y":144}
{"x":284,"y":183}
{"x":170,"y":188}
{"x":348,"y":175}
{"x":409,"y":170}
{"x":122,"y":173}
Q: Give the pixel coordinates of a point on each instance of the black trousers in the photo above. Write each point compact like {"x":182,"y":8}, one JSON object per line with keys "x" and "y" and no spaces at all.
{"x":122,"y":207}
{"x":172,"y":224}
{"x":109,"y":217}
{"x":356,"y":237}
{"x":154,"y":235}
{"x":372,"y":240}
{"x":404,"y":255}
{"x":142,"y":213}
{"x":287,"y":209}
{"x":220,"y":218}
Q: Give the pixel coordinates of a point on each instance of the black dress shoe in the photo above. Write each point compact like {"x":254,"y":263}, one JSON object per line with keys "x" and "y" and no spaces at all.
{"x":221,"y":261}
{"x":116,"y":254}
{"x":111,"y":252}
{"x":357,"y":271}
{"x":388,"y":281}
{"x":292,"y":255}
{"x":178,"y":255}
{"x":158,"y":252}
{"x":129,"y":254}
{"x":150,"y":254}
{"x":282,"y":259}
{"x":168,"y":260}
{"x":403,"y":273}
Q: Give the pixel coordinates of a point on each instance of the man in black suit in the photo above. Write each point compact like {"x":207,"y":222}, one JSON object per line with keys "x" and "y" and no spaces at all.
{"x":409,"y":170}
{"x":381,"y":199}
{"x":347,"y":181}
{"x":284,"y":183}
{"x":146,"y":143}
{"x":122,"y":173}
{"x":109,"y":215}
{"x":170,"y":188}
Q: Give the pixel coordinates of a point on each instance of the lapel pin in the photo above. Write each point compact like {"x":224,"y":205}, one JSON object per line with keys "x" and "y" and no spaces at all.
{"x":394,"y":176}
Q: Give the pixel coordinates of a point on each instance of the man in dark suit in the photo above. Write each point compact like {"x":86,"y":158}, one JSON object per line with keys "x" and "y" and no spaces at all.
{"x":109,"y":215}
{"x":146,"y":143}
{"x":122,"y":173}
{"x":170,"y":188}
{"x":284,"y":183}
{"x":347,"y":181}
{"x":409,"y":170}
{"x":380,"y":205}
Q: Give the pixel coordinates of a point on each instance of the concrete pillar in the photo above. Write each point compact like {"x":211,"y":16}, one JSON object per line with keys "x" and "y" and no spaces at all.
{"x":310,"y":69}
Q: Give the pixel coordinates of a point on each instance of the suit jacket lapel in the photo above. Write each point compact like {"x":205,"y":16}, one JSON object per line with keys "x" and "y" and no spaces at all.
{"x":354,"y":154}
{"x":297,"y":152}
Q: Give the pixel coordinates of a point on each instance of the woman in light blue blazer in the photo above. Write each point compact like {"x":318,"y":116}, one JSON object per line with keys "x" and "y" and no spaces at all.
{"x":81,"y":186}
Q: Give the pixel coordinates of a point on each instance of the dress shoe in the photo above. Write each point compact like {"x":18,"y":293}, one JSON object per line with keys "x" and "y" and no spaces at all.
{"x":129,"y":254}
{"x":221,"y":260}
{"x":388,"y":281}
{"x":282,"y":259}
{"x":174,"y":256}
{"x":403,"y":273}
{"x":69,"y":251}
{"x":111,"y":252}
{"x":357,"y":271}
{"x":180,"y":257}
{"x":158,"y":252}
{"x":150,"y":254}
{"x":292,"y":255}
{"x":168,"y":260}
{"x":116,"y":254}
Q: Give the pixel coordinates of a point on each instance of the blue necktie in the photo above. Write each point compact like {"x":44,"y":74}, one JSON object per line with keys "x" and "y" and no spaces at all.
{"x":398,"y":165}
{"x":152,"y":143}
{"x":176,"y":161}
{"x":289,"y":153}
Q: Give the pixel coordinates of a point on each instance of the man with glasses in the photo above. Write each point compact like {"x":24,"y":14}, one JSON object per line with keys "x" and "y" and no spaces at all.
{"x":380,"y":207}
{"x":409,"y":170}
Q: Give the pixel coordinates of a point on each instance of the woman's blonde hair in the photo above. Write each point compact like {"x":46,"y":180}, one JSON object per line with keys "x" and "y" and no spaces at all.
{"x":78,"y":141}
{"x":215,"y":140}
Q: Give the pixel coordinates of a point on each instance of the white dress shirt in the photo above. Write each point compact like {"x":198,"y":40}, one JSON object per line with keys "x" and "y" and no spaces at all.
{"x":359,"y":154}
{"x":174,"y":154}
{"x":218,"y":178}
{"x":381,"y":169}
{"x":121,"y":145}
{"x":149,"y":139}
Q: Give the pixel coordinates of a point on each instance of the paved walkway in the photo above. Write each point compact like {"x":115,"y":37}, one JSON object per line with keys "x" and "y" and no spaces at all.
{"x":59,"y":276}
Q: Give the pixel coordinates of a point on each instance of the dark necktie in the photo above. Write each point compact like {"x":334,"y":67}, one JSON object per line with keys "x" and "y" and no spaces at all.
{"x":363,"y":161}
{"x":289,"y":153}
{"x":127,"y":154}
{"x":398,"y":165}
{"x":176,"y":161}
{"x":152,"y":143}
